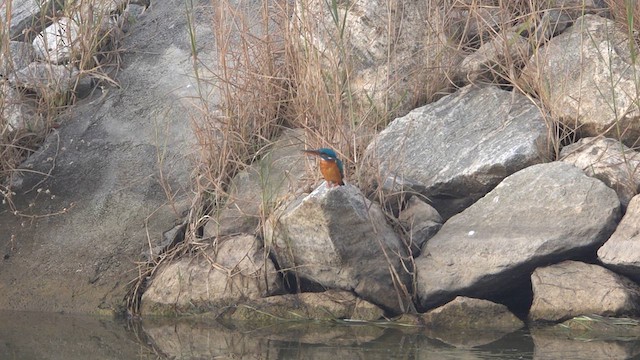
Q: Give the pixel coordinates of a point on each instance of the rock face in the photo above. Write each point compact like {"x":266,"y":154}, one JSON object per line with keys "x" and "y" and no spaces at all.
{"x":100,"y":184}
{"x":589,"y":104}
{"x":19,"y":55}
{"x":235,"y":270}
{"x":486,"y":132}
{"x":568,"y":289}
{"x":544,"y":213}
{"x":608,"y":160}
{"x":360,"y":36}
{"x":622,"y":251}
{"x":46,"y":79}
{"x":337,"y":238}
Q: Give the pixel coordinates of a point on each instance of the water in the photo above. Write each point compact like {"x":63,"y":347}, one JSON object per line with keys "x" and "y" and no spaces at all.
{"x":58,"y":336}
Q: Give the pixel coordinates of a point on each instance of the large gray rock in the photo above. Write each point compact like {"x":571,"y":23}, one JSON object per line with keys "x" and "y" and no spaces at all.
{"x":339,"y":239}
{"x":573,"y":288}
{"x":608,"y":160}
{"x":395,"y":54}
{"x":622,"y":251}
{"x":605,"y":101}
{"x":231,"y":271}
{"x":544,"y":213}
{"x":465,"y":314}
{"x":109,"y":181}
{"x":457,"y":149}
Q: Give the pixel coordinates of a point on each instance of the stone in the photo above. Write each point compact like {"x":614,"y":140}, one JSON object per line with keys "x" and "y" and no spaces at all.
{"x":603,"y":103}
{"x":420,"y":221}
{"x":337,"y":238}
{"x":608,"y":160}
{"x":59,"y":42}
{"x":467,"y":322}
{"x":457,"y":149}
{"x":496,"y":59}
{"x":19,"y":112}
{"x":257,"y":190}
{"x":464,"y":314}
{"x":48,"y":80}
{"x":20,"y":55}
{"x":543,"y":214}
{"x":622,"y":251}
{"x":235,"y":269}
{"x":395,"y":53}
{"x":328,"y":305}
{"x":568,"y":289}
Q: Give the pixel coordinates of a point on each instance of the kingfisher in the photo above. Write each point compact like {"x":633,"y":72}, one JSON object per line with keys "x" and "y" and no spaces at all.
{"x":330,"y":166}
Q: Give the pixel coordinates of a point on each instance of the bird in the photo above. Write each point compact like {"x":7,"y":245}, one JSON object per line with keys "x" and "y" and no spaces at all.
{"x":330,"y":166}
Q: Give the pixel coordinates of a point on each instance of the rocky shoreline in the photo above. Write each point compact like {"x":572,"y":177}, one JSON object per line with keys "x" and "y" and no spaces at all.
{"x":485,"y":210}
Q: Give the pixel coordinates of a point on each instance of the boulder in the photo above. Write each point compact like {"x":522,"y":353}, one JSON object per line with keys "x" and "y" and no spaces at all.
{"x":544,"y":213}
{"x":338,"y":239}
{"x":568,"y":289}
{"x":457,"y":149}
{"x":256,"y":191}
{"x":59,"y":41}
{"x":466,"y":322}
{"x":622,"y":251}
{"x":234,"y":270}
{"x":327,"y":305}
{"x":395,"y":54}
{"x":420,"y":221}
{"x":608,"y":160}
{"x":603,"y":103}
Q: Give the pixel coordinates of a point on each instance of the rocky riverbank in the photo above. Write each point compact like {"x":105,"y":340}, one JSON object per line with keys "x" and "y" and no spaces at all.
{"x":496,"y":199}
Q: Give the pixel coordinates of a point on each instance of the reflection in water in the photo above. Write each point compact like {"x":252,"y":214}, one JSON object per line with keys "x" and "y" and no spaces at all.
{"x":56,"y":336}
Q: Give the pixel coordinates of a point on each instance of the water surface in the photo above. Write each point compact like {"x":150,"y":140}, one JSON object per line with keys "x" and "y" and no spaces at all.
{"x":58,"y":336}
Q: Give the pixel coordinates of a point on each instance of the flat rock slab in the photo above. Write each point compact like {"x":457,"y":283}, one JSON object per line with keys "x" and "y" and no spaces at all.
{"x":544,"y":213}
{"x":569,"y":289}
{"x":100,"y":185}
{"x":457,"y":149}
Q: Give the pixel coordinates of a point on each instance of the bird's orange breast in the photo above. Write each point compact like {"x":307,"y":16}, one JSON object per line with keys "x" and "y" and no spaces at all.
{"x":330,"y":171}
